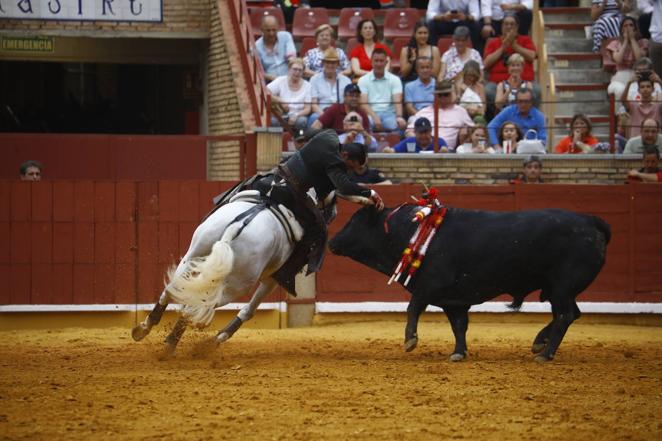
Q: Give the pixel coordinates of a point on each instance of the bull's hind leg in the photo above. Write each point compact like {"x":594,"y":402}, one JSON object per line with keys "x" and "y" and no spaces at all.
{"x":414,"y":311}
{"x":541,"y":339}
{"x":141,"y":330}
{"x":247,"y":312}
{"x":458,"y":316}
{"x":564,"y":314}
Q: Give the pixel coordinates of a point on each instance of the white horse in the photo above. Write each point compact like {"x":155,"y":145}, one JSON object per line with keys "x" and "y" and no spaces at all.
{"x":225,"y":260}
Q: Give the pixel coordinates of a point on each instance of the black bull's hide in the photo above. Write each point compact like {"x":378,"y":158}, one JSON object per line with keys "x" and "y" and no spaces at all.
{"x":478,"y":255}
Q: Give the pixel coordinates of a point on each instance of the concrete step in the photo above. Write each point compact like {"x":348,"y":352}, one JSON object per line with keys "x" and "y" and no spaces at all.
{"x":581,"y":98}
{"x":566,"y":15}
{"x":572,"y":76}
{"x":578,"y":60}
{"x":568,"y":45}
{"x":566,"y":30}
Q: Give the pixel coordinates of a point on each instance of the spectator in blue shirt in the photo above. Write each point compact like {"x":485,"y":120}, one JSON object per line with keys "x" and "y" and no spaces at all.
{"x":521,"y":113}
{"x":420,"y":92}
{"x":422,"y":142}
{"x":275,"y":48}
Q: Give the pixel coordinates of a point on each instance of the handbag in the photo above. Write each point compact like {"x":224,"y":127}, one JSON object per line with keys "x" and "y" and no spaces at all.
{"x":531,"y":146}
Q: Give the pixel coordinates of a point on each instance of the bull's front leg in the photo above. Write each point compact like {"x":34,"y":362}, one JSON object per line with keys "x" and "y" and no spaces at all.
{"x":458,"y":316}
{"x":141,"y":330}
{"x":414,"y":311}
{"x":247,"y":312}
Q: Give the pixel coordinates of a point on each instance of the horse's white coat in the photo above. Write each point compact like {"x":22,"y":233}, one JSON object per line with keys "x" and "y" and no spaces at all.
{"x":220,"y":266}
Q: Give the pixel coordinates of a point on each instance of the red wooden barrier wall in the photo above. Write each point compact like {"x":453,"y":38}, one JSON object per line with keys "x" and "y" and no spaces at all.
{"x":66,"y":156}
{"x":633,"y":271}
{"x":96,"y":242}
{"x":108,"y":242}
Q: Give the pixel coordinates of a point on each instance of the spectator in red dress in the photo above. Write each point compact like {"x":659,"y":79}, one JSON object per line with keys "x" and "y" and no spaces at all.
{"x":499,"y":49}
{"x":366,"y":33}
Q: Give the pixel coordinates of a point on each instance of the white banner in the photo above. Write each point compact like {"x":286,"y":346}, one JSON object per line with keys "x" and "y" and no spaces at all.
{"x":83,"y":10}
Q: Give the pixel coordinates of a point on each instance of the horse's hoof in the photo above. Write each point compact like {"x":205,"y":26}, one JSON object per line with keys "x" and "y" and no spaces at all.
{"x":139,"y":332}
{"x":167,"y":352}
{"x":537,"y":348}
{"x":410,"y":344}
{"x":457,"y":357}
{"x":222,"y":337}
{"x":542,"y":359}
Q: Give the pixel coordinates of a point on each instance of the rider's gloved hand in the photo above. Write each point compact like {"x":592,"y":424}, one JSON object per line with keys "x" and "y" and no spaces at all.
{"x":377,"y":200}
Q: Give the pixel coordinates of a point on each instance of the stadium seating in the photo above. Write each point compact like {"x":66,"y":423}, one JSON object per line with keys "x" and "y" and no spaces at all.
{"x":398,"y":44}
{"x":400,"y":22}
{"x":306,"y":20}
{"x":349,"y":20}
{"x":256,"y":15}
{"x":307,"y":44}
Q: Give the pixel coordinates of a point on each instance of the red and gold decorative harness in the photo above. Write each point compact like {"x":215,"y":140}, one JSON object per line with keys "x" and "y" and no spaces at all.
{"x":429,"y":217}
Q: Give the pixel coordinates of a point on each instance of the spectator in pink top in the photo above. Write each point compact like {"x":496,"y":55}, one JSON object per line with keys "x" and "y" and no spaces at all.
{"x":628,"y":48}
{"x":450,"y":118}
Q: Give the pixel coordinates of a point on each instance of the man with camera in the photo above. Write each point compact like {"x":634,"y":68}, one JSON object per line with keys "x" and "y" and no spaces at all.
{"x":643,"y":69}
{"x":353,"y":131}
{"x":334,"y":115}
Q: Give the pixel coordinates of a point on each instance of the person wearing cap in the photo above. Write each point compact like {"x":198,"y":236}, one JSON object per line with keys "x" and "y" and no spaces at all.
{"x":334,"y":115}
{"x":454,"y":59}
{"x":381,"y":95}
{"x":531,"y":173}
{"x":314,"y":58}
{"x":274,"y":48}
{"x":353,"y":131}
{"x":299,"y":139}
{"x":420,"y":92}
{"x":450,"y":117}
{"x":326,"y":87}
{"x":421,"y":142}
{"x":521,"y":113}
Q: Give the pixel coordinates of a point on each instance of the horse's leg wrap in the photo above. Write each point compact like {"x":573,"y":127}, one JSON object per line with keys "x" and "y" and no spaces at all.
{"x":227,"y":332}
{"x":143,"y":329}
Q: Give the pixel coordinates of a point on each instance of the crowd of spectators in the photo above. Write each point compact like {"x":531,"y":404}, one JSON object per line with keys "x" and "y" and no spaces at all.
{"x":484,"y":82}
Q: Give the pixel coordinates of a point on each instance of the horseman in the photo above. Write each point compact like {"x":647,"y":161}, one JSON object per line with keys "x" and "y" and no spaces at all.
{"x":322,"y":165}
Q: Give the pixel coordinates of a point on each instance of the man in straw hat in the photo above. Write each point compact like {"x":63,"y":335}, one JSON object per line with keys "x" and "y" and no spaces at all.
{"x":450,"y":118}
{"x":327,"y":87}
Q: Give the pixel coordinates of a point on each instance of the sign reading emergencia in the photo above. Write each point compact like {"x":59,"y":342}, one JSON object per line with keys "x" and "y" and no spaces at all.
{"x":83,"y":10}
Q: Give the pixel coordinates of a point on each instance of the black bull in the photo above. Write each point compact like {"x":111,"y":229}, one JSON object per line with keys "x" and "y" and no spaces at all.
{"x":478,"y":255}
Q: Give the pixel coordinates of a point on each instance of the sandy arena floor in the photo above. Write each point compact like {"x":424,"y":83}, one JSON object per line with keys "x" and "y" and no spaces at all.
{"x":348,"y":381}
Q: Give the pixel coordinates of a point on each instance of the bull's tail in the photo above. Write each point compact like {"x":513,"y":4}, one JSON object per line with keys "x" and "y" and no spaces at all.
{"x":197,"y":284}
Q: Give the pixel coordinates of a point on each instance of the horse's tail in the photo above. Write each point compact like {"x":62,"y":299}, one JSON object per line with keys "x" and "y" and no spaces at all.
{"x":198,"y":283}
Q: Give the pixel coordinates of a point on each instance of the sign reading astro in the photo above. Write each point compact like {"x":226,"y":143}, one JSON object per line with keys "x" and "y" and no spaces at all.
{"x":83,"y":10}
{"x":27,"y":44}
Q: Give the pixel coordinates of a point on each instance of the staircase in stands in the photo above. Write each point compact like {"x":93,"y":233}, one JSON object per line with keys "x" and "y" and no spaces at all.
{"x":581,"y":82}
